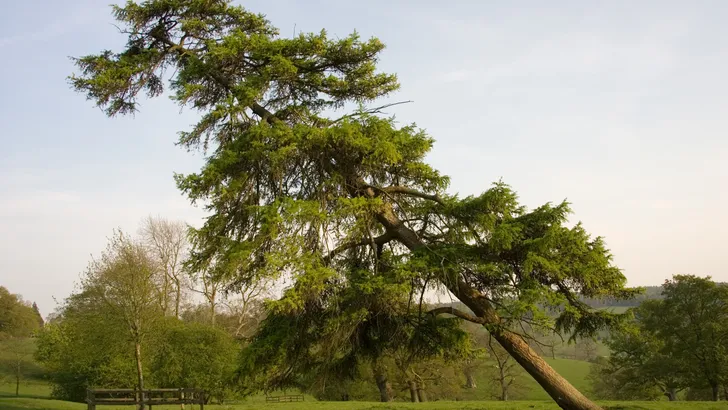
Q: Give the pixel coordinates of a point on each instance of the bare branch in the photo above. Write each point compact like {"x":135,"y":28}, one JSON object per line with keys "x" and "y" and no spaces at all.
{"x":376,"y":110}
{"x":458,"y":313}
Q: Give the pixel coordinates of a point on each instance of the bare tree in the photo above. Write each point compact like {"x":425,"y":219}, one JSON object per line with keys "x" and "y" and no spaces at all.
{"x":507,"y":371}
{"x":244,"y":302}
{"x":123,"y":279}
{"x":18,"y":352}
{"x":167,"y":241}
{"x":207,"y":284}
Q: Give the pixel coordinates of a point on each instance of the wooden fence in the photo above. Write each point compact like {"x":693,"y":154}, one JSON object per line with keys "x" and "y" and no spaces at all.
{"x":148,"y":397}
{"x":284,"y":399}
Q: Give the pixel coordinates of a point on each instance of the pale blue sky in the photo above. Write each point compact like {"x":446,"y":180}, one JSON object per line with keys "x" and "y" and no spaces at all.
{"x":618,"y":106}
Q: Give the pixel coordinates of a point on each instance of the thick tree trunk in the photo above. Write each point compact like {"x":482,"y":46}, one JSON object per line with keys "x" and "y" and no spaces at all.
{"x":140,"y":372}
{"x":671,"y":394}
{"x":414,"y":397}
{"x":504,"y":391}
{"x":714,"y":391}
{"x":421,"y":392}
{"x":385,"y":389}
{"x":561,"y":391}
{"x":470,"y":380}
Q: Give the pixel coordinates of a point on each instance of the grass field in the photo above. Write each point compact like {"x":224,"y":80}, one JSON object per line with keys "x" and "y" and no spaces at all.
{"x":40,"y":404}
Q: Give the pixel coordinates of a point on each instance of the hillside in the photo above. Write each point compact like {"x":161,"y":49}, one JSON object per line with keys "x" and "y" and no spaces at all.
{"x":20,"y":353}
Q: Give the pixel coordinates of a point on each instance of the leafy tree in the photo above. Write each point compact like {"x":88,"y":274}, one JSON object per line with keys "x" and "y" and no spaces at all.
{"x":608,"y":384}
{"x":195,"y":356}
{"x":82,"y":348}
{"x":640,"y":365}
{"x":291,"y":191}
{"x":17,"y":317}
{"x":692,"y":322}
{"x":123,"y":281}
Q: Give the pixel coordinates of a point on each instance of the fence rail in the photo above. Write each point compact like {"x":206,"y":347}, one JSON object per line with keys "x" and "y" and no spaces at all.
{"x":284,"y":399}
{"x":148,"y":397}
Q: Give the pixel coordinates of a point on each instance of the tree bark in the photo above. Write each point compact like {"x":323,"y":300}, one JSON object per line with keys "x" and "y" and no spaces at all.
{"x":421,"y":392}
{"x":414,"y":397}
{"x":671,"y":394}
{"x":140,"y":372}
{"x":504,"y":390}
{"x":561,"y":391}
{"x":470,"y":380}
{"x":385,"y":389}
{"x":714,"y":391}
{"x":178,"y":299}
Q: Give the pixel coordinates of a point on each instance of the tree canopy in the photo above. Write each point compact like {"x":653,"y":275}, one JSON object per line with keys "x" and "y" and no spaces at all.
{"x":676,"y":342}
{"x":17,"y":317}
{"x":297,"y":189}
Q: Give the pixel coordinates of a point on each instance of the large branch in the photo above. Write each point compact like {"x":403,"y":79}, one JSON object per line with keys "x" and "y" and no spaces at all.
{"x":257,"y":109}
{"x":458,"y":313}
{"x":379,"y":240}
{"x":396,"y":189}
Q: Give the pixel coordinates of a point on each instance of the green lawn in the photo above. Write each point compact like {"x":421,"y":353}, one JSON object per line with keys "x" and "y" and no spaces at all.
{"x":40,"y":404}
{"x":575,"y":371}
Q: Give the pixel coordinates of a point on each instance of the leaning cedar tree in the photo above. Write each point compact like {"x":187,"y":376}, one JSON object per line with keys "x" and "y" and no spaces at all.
{"x":291,"y":191}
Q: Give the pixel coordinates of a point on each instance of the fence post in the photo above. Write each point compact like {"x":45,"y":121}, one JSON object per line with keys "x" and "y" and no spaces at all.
{"x":90,"y":399}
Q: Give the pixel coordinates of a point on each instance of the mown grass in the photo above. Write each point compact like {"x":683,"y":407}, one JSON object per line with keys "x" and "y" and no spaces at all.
{"x":41,"y":404}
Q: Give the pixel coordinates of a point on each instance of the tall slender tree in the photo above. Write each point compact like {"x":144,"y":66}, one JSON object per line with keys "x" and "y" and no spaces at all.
{"x":292,"y":190}
{"x":123,"y":280}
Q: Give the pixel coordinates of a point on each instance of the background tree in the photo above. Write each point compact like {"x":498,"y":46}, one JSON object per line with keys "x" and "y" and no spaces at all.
{"x":85,"y":347}
{"x":17,"y":353}
{"x":287,"y":185}
{"x":17,"y":317}
{"x":18,"y":321}
{"x":38,"y":315}
{"x":167,"y":243}
{"x":640,"y":366}
{"x":692,"y":322}
{"x":123,"y":280}
{"x":195,"y":356}
{"x":505,"y":372}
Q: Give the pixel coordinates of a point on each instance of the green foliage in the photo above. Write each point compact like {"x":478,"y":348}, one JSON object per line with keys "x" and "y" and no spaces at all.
{"x":194,"y":356}
{"x":692,"y":321}
{"x":17,"y":317}
{"x":87,"y":347}
{"x":675,"y":342}
{"x":345,"y":208}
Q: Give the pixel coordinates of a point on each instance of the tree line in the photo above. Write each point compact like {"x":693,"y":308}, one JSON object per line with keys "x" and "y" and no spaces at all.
{"x":676,"y":343}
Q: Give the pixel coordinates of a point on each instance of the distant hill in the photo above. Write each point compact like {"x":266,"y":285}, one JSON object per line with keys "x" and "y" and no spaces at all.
{"x":651,"y":292}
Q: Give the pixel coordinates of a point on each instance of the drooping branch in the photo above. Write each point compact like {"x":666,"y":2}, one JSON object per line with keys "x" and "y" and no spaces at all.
{"x":375,"y":110}
{"x":223,"y":81}
{"x":378,"y":241}
{"x":396,"y":189}
{"x":458,"y":313}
